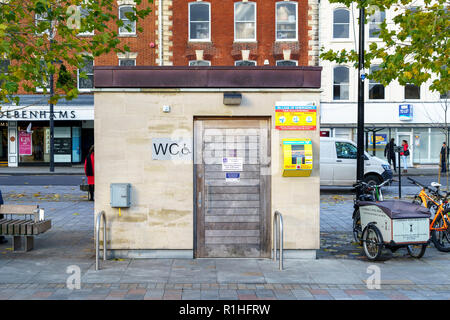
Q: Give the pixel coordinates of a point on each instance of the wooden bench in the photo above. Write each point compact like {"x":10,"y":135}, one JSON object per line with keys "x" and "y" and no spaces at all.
{"x":23,"y":230}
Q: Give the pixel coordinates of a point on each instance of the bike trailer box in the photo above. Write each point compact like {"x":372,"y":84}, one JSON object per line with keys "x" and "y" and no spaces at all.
{"x":399,"y":222}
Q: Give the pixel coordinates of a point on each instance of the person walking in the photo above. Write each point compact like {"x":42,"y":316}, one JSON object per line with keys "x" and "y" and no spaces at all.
{"x":444,"y":157}
{"x":89,"y":170}
{"x":405,"y":154}
{"x":389,"y":153}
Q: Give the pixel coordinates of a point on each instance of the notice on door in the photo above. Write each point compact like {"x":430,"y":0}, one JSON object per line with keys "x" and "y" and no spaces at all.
{"x":232,"y":177}
{"x":232,"y":164}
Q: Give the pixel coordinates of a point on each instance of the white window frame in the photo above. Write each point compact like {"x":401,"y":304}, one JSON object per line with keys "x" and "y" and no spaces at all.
{"x":276,"y":63}
{"x":255,"y":21}
{"x":209,"y":63}
{"x":78,"y":80}
{"x":87,"y":33}
{"x":413,"y":99}
{"x":37,"y":18}
{"x":349,"y":17}
{"x":126,"y":33}
{"x":369,"y":23}
{"x":237,"y":61}
{"x":121,"y":59}
{"x":189,"y":21}
{"x":333,"y":84}
{"x":296,"y":20}
{"x":375,"y":83}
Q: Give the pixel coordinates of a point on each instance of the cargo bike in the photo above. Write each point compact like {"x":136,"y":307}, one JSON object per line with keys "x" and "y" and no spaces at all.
{"x":390,"y":224}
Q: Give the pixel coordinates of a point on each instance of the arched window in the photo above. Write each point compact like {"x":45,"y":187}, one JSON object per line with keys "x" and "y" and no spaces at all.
{"x":374,"y":23}
{"x":341,"y":83}
{"x":245,"y":63}
{"x":245,"y":21}
{"x":286,"y":21}
{"x":129,"y":26}
{"x":286,"y":63}
{"x":199,"y":63}
{"x":376,"y":89}
{"x":341,"y":23}
{"x":199,"y":21}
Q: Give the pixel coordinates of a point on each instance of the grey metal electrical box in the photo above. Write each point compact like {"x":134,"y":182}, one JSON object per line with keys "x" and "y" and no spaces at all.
{"x":120,"y":195}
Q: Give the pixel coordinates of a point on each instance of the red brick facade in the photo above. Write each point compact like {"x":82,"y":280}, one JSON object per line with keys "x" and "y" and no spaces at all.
{"x":222,"y":50}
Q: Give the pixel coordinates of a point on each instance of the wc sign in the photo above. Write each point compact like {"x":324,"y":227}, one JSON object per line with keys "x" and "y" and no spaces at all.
{"x":171,"y":149}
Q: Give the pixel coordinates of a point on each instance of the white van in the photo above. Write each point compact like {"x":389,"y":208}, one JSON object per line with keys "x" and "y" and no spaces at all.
{"x":338,"y":164}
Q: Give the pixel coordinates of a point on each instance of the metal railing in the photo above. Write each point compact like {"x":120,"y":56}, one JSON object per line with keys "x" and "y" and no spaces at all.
{"x":97,"y":238}
{"x":278,"y":236}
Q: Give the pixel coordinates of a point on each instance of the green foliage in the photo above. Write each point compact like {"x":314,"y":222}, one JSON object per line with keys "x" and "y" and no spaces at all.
{"x":414,"y":49}
{"x":43,"y":47}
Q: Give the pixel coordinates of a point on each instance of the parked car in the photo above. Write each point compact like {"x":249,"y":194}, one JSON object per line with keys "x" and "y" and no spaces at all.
{"x":338,"y":164}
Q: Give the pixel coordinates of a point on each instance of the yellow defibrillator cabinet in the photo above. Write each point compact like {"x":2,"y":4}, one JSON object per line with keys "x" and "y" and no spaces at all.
{"x":298,"y":157}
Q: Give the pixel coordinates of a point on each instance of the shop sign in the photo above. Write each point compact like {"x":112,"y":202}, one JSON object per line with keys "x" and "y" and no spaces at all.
{"x":405,"y":112}
{"x":25,"y":144}
{"x":172,"y":149}
{"x":295,"y":116}
{"x":232,"y":164}
{"x":380,"y":140}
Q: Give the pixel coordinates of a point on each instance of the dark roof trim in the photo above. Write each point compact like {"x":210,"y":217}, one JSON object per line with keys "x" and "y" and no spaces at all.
{"x":207,"y":77}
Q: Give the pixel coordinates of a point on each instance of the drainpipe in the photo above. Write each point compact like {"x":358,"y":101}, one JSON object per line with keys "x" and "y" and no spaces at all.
{"x":160,"y":30}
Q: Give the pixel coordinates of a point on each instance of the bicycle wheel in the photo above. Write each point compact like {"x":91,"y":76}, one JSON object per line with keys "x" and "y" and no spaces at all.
{"x":372,"y":242}
{"x":357,"y":232}
{"x":416,"y":250}
{"x":441,"y":239}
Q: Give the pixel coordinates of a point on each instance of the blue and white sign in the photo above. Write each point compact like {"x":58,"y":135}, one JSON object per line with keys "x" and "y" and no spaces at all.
{"x":405,"y":112}
{"x":232,"y":177}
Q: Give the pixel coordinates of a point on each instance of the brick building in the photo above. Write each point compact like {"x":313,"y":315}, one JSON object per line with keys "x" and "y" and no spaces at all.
{"x":226,"y":33}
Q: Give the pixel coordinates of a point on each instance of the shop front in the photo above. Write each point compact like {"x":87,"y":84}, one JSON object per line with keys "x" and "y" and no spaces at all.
{"x":194,"y":162}
{"x":422,"y":126}
{"x":25,"y":133}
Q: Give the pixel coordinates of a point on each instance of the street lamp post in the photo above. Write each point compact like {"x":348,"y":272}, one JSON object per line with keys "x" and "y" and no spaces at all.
{"x":361,"y":77}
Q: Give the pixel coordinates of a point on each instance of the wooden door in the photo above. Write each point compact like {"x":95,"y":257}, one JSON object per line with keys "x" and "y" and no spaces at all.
{"x":232,"y":187}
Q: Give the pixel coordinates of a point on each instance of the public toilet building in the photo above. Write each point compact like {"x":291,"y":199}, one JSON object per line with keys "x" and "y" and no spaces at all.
{"x":192,"y":162}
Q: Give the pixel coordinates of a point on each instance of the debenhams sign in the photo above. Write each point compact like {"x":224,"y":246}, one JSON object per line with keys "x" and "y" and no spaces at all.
{"x":42,"y":114}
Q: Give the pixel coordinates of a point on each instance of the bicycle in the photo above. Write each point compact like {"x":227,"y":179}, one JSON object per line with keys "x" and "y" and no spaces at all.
{"x":364,"y":192}
{"x":440,"y":223}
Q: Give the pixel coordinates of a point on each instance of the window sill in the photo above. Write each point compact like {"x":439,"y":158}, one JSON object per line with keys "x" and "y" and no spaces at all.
{"x":199,"y":41}
{"x":245,"y":41}
{"x":286,"y":40}
{"x":124,"y":35}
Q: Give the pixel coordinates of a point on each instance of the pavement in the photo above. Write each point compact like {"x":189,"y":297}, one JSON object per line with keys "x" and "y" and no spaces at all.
{"x":79,"y":170}
{"x":341,"y":271}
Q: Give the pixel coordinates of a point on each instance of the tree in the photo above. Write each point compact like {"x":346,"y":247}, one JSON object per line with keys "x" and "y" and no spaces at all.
{"x":41,"y":38}
{"x":414,"y":49}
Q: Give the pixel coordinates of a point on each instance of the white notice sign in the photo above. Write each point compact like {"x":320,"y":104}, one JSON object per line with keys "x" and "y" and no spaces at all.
{"x":232,"y":164}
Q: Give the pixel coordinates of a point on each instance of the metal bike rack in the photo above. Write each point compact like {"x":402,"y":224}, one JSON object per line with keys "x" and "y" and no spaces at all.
{"x":278,"y":236}
{"x":97,"y":236}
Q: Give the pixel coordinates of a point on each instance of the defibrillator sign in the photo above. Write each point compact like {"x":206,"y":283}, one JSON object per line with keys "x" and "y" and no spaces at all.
{"x":295,"y":116}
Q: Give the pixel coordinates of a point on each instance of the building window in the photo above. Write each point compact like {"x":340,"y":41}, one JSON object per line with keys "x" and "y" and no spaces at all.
{"x":412,"y":91}
{"x":129,"y":26}
{"x":376,"y":90}
{"x":84,"y":13}
{"x":199,"y":63}
{"x":341,"y":24}
{"x":127,"y":62}
{"x":281,"y":63}
{"x":199,"y":21}
{"x":245,"y":63}
{"x":245,"y":21}
{"x":42,"y":19}
{"x":286,"y":21}
{"x":4,"y":65}
{"x":86,"y":83}
{"x":374,"y":23}
{"x":341,"y":83}
{"x":44,"y":79}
